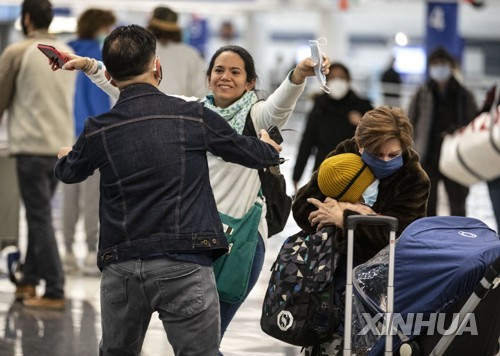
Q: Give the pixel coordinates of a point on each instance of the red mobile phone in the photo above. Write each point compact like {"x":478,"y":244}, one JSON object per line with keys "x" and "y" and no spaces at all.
{"x":53,"y":54}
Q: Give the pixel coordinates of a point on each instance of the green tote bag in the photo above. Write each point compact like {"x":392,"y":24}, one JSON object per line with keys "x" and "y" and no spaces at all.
{"x":232,"y":270}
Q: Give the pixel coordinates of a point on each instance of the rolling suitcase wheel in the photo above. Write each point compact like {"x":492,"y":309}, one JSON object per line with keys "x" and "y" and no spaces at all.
{"x":410,"y":348}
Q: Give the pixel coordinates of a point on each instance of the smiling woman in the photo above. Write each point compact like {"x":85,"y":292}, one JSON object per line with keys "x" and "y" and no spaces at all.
{"x":232,"y":79}
{"x":228,"y":77}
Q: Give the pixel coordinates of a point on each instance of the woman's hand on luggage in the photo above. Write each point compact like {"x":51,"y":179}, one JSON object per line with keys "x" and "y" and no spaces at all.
{"x":357,"y":207}
{"x":264,"y":136}
{"x":305,"y":68}
{"x":329,"y":212}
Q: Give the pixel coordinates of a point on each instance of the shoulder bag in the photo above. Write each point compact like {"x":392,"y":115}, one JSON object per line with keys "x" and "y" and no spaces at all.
{"x":273,"y":186}
{"x":232,"y":270}
{"x":472,"y":153}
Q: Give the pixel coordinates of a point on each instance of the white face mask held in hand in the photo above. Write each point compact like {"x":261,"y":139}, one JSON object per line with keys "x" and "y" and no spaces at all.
{"x":317,"y":57}
{"x":338,"y":88}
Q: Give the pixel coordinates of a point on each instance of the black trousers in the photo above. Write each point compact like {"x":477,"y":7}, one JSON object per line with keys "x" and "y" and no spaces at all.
{"x":37,"y":185}
{"x":457,"y":193}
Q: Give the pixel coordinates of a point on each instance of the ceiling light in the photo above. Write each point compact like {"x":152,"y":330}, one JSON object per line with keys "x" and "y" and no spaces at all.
{"x":401,"y":39}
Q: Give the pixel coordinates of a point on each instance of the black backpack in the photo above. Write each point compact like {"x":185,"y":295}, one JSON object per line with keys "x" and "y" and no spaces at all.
{"x":273,"y":184}
{"x":299,"y":304}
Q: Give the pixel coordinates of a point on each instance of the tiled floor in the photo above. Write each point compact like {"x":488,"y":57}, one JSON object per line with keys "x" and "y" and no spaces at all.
{"x":76,"y":330}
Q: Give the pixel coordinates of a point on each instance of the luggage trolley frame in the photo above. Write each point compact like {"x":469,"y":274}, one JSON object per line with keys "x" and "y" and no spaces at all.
{"x":352,"y":221}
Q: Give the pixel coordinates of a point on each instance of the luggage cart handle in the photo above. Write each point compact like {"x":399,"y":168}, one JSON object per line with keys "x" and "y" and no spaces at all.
{"x":354,"y":220}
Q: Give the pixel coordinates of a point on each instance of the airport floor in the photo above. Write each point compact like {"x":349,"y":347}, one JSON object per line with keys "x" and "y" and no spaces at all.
{"x":76,"y":330}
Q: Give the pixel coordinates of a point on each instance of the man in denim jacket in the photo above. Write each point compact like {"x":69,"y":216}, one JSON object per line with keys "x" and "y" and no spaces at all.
{"x":160,"y":229}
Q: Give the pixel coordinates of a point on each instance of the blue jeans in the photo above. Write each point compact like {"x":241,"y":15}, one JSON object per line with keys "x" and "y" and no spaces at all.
{"x":494,"y":189}
{"x":183,"y":293}
{"x":37,"y":183}
{"x":228,"y":310}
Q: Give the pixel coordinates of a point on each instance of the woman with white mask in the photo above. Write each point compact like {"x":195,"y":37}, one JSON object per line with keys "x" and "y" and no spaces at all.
{"x":442,"y":104}
{"x":332,"y":119}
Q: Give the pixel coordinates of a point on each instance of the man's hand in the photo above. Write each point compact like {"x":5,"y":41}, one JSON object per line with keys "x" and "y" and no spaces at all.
{"x":63,"y":152}
{"x":264,"y":136}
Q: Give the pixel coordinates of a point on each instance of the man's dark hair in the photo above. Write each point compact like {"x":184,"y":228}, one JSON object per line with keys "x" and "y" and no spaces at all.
{"x":40,"y":12}
{"x":128,"y":51}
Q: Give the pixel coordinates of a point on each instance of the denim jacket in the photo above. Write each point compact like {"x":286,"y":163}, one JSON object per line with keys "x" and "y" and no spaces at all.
{"x":155,"y":193}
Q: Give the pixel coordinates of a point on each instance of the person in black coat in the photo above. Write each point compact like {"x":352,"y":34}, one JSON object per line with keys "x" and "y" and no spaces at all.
{"x":332,"y":119}
{"x":442,"y":104}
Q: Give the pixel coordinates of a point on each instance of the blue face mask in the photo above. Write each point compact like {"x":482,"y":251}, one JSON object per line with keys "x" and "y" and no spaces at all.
{"x":381,"y":168}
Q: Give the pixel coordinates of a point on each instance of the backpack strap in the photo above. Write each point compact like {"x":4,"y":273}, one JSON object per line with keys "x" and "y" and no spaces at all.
{"x":249,"y":128}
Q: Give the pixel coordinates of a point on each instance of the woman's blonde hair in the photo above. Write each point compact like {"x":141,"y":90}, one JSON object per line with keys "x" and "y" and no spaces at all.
{"x":379,"y":125}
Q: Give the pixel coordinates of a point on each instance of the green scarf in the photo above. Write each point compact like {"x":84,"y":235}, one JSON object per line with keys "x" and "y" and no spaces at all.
{"x":236,"y":113}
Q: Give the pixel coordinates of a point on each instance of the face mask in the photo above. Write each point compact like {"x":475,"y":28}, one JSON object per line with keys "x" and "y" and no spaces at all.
{"x":440,"y":72}
{"x":338,"y":88}
{"x":381,"y":168}
{"x":371,"y":193}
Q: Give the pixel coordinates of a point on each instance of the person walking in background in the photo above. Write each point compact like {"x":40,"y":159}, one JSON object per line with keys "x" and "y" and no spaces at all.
{"x":40,"y":111}
{"x":332,"y":119}
{"x":159,"y":227}
{"x":83,"y":199}
{"x":440,"y":105}
{"x":182,"y":64}
{"x":391,"y":84}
